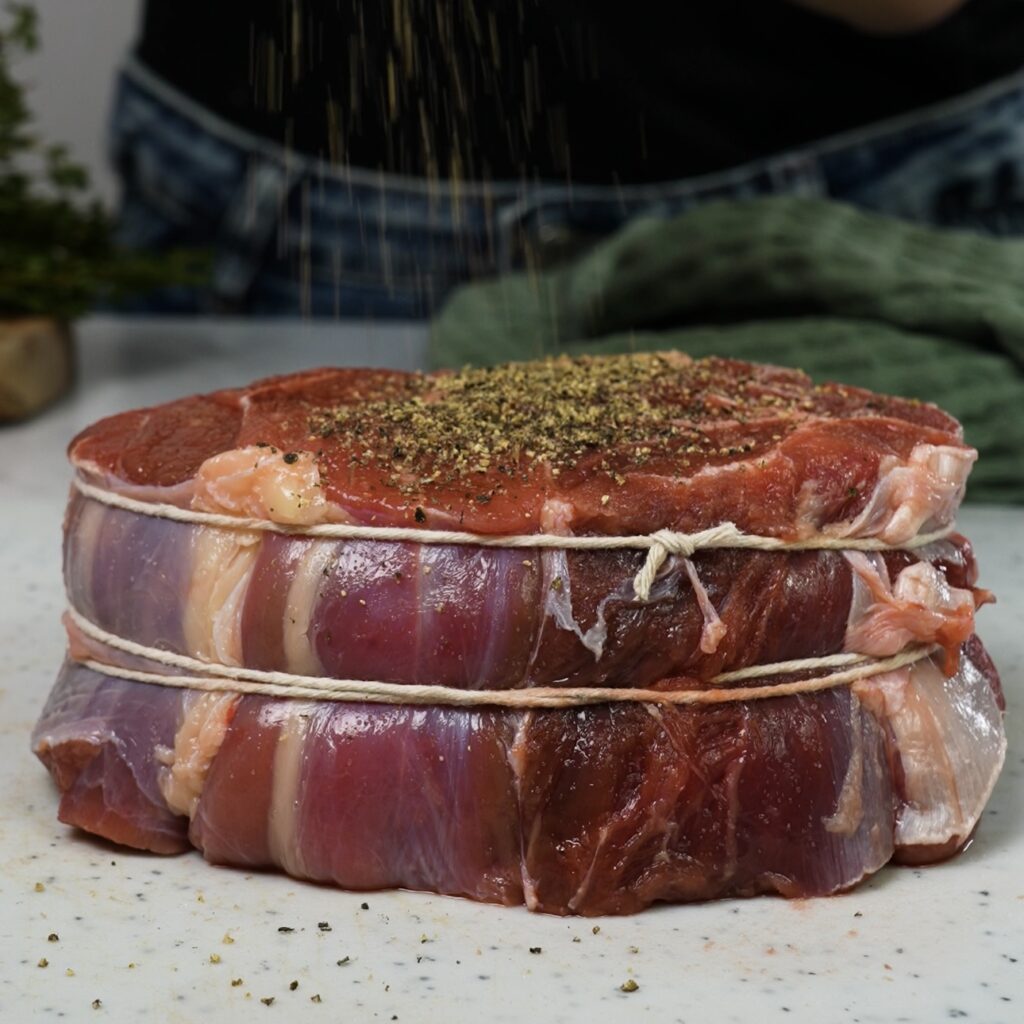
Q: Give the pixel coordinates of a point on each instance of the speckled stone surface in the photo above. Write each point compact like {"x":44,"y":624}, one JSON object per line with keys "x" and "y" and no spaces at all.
{"x":176,"y":940}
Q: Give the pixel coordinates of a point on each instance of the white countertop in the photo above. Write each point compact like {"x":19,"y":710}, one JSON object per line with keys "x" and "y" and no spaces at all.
{"x":143,"y":934}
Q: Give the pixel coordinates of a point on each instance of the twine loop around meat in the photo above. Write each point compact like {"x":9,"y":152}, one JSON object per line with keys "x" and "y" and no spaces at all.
{"x":659,"y":545}
{"x":191,"y":673}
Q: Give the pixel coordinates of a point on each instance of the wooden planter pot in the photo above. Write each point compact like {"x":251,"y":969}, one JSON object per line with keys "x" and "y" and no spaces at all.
{"x":36,"y":365}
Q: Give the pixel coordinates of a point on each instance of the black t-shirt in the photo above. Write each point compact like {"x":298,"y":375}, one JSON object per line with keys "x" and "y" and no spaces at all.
{"x":587,"y":90}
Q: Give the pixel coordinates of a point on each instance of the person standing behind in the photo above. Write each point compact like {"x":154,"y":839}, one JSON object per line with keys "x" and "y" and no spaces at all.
{"x":357,"y":158}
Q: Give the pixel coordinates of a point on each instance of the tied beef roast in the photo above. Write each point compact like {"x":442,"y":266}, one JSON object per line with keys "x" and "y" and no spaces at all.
{"x":600,"y":809}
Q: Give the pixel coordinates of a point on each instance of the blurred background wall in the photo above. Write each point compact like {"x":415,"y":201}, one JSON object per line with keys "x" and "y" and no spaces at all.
{"x":71,"y":77}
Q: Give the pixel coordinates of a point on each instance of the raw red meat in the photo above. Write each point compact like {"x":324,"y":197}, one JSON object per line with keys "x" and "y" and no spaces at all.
{"x":604,"y":809}
{"x":723,"y":441}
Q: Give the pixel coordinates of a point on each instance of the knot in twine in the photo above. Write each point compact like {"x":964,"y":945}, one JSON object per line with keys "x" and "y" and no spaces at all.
{"x":669,"y":542}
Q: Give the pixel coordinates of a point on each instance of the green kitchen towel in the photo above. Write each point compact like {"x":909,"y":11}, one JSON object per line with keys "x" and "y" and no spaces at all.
{"x":843,"y":294}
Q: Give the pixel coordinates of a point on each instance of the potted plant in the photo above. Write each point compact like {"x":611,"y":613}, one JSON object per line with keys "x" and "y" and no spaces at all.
{"x":57,"y":255}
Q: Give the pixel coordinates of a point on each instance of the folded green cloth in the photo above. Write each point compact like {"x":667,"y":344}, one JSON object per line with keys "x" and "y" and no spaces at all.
{"x":845,"y":295}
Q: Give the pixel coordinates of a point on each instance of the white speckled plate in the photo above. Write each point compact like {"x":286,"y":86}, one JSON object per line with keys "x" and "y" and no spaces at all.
{"x":178,"y":940}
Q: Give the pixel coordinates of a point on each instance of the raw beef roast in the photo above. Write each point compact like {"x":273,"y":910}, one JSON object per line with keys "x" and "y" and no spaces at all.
{"x":600,"y":809}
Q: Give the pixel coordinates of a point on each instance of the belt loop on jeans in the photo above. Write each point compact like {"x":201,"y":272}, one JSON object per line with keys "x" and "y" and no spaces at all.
{"x":797,"y":173}
{"x":249,"y":226}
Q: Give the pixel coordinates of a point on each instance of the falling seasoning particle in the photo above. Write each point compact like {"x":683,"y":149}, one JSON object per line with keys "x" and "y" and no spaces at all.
{"x":290,"y":457}
{"x":53,"y":937}
{"x":595,"y":929}
{"x":293,"y":986}
{"x":316,"y":998}
{"x":344,"y":960}
{"x":235,"y":982}
{"x":634,"y":949}
{"x":323,"y":926}
{"x":267,"y":1000}
{"x":364,"y":906}
{"x":69,"y":973}
{"x":97,"y":1003}
{"x":215,"y":958}
{"x":628,"y":986}
{"x":39,"y":887}
{"x":227,"y":940}
{"x":131,"y":966}
{"x":284,"y":929}
{"x":536,"y":949}
{"x":43,"y":962}
{"x":576,"y":938}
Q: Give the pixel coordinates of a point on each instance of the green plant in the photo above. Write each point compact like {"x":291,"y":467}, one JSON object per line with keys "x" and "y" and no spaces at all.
{"x":57,"y":257}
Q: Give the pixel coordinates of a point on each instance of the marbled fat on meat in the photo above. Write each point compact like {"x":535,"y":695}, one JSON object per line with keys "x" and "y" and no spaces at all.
{"x":493,"y":618}
{"x":602,"y":811}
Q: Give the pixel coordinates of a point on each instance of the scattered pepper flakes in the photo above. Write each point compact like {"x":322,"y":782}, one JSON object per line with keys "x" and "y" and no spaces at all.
{"x":595,"y":929}
{"x":285,"y":930}
{"x":536,"y":949}
{"x":628,"y":986}
{"x":290,"y":457}
{"x":420,"y":516}
{"x":228,"y":939}
{"x":576,"y":938}
{"x":97,"y":1003}
{"x":53,"y":937}
{"x":39,"y":887}
{"x":324,"y":926}
{"x":315,"y":998}
{"x":428,"y":429}
{"x":344,"y":961}
{"x":215,"y":958}
{"x":43,"y":962}
{"x":267,"y":1000}
{"x":235,"y":982}
{"x":364,"y":906}
{"x":69,"y":972}
{"x":634,"y":949}
{"x":293,"y":986}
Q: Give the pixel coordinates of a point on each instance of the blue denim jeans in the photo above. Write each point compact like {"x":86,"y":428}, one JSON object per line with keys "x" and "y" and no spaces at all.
{"x":292,"y":235}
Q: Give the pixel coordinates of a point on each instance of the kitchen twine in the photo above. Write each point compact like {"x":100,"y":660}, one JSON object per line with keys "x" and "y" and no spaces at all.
{"x":214,"y":677}
{"x":236,"y":679}
{"x":659,"y":544}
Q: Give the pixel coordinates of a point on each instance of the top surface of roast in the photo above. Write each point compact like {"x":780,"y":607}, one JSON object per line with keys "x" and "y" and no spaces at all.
{"x":623,"y":444}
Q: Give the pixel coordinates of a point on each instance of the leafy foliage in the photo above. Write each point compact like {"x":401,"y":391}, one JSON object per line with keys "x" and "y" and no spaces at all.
{"x":57,"y":257}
